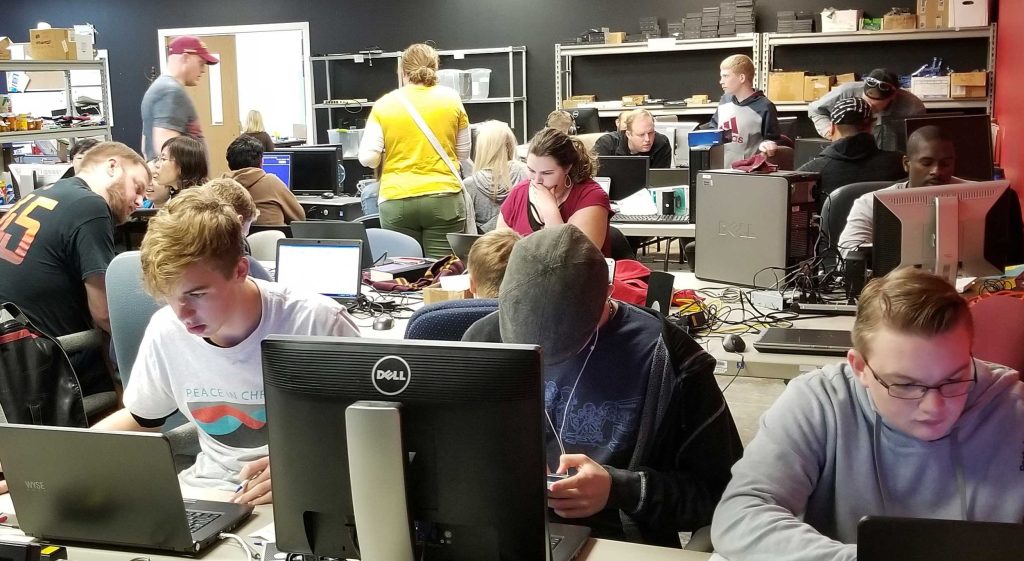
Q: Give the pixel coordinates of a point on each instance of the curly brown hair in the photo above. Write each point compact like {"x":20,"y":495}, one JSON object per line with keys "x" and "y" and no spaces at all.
{"x":567,"y":150}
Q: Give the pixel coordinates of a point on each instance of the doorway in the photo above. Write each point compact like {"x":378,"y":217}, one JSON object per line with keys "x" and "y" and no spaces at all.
{"x":263,"y":68}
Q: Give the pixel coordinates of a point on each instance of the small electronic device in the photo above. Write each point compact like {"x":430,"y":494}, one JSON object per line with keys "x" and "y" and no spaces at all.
{"x":611,"y":269}
{"x":383,"y":322}
{"x":828,"y":342}
{"x":921,"y":539}
{"x":659,"y":291}
{"x":328,"y":267}
{"x":585,"y":119}
{"x":327,"y":195}
{"x":733,"y":343}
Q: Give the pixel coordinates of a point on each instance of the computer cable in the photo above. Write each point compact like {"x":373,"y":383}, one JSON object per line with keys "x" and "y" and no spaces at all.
{"x":250,"y":554}
{"x":741,"y":365}
{"x":568,"y":402}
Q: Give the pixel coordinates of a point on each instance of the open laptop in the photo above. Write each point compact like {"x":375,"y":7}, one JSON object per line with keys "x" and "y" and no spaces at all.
{"x":882,"y":538}
{"x":628,"y":174}
{"x":461,"y":244}
{"x":112,"y":488}
{"x":829,"y":342}
{"x":335,"y":230}
{"x":328,"y":267}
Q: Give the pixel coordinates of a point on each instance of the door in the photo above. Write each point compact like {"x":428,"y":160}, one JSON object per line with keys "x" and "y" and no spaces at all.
{"x":216,"y":100}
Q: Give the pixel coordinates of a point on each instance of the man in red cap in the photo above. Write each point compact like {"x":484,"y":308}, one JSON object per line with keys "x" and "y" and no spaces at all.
{"x":167,"y":111}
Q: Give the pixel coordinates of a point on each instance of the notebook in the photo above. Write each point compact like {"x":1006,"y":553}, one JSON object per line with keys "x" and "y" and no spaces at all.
{"x":112,"y":488}
{"x":830,"y":342}
{"x":329,"y":267}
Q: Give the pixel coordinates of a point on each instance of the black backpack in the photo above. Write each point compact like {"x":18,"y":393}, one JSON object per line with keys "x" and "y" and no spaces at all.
{"x":38,"y":385}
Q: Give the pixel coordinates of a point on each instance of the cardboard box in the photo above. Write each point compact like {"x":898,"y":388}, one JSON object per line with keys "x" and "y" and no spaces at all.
{"x":930,"y":88}
{"x":576,"y":100}
{"x":845,"y":78}
{"x":634,"y":100}
{"x":433,"y":294}
{"x":615,"y":37}
{"x":815,"y":87}
{"x":901,"y":21}
{"x":50,"y":44}
{"x":968,"y":13}
{"x":786,"y":86}
{"x":933,"y":14}
{"x":840,"y":20}
{"x":965,"y":85}
{"x":5,"y":52}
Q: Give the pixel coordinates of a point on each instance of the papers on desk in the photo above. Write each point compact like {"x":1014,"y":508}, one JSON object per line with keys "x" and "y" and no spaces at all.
{"x":641,"y":202}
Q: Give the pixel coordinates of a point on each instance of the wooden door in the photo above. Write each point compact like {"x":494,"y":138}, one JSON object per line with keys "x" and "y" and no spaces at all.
{"x":220,"y":80}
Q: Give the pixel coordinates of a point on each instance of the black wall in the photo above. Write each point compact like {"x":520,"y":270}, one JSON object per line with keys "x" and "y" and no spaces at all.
{"x":128,"y":30}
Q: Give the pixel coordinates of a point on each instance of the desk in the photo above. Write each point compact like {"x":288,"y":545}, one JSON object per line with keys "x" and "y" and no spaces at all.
{"x":341,"y":207}
{"x":666,"y":230}
{"x":593,"y":550}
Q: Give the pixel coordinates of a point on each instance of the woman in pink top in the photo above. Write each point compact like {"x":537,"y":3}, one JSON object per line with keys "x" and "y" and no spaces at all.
{"x":559,"y":190}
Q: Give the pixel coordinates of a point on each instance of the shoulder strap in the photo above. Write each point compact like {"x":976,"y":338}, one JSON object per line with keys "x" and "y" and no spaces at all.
{"x":428,"y":133}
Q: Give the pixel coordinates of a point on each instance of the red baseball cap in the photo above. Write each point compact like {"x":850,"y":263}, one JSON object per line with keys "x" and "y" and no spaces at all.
{"x":187,"y":44}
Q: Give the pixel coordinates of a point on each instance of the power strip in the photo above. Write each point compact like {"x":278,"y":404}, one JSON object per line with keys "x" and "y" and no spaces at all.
{"x":773,"y":299}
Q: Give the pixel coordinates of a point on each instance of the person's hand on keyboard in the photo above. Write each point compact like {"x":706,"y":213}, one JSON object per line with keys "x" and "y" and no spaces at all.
{"x":255,"y":488}
{"x":583,"y":494}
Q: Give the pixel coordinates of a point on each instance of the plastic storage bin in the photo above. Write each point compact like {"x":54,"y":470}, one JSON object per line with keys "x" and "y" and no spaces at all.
{"x":348,"y":139}
{"x":459,"y":80}
{"x":481,"y":82}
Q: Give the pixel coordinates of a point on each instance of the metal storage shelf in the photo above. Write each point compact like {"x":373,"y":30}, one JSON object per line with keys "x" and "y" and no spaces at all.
{"x":65,"y":66}
{"x":787,"y":106}
{"x":511,"y":99}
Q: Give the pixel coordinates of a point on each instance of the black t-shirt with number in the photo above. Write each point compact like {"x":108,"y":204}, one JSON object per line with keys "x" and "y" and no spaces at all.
{"x":50,"y":242}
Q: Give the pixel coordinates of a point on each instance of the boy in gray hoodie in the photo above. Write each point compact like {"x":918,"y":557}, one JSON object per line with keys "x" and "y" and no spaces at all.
{"x":911,"y":425}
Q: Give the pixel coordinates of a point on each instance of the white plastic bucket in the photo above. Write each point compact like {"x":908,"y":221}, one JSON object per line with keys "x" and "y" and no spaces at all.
{"x":481,"y":82}
{"x":349,"y":140}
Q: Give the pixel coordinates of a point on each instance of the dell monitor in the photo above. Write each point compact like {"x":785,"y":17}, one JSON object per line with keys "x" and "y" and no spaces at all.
{"x":972,"y":139}
{"x":585,"y":119}
{"x":313,"y":170}
{"x":628,"y":174}
{"x":384,"y":447}
{"x":971,"y":228}
{"x":279,"y":165}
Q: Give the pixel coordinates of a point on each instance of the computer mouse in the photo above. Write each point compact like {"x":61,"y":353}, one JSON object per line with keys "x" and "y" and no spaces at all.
{"x":383,"y":322}
{"x":732,"y":343}
{"x":327,"y":195}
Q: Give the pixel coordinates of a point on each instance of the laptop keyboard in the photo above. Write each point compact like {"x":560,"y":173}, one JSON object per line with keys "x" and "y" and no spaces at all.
{"x":650,"y":219}
{"x":197,"y":519}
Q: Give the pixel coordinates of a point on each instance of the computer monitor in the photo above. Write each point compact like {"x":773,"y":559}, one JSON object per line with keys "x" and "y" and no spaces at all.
{"x":448,"y":434}
{"x":314,"y":170}
{"x":973,"y":228}
{"x":335,"y":230}
{"x":675,"y":132}
{"x":586,"y":119}
{"x":972,"y":138}
{"x":279,"y":165}
{"x":328,"y":267}
{"x":628,"y":174}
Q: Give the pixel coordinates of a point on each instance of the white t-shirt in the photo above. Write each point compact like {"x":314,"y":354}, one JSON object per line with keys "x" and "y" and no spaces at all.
{"x":221,"y":389}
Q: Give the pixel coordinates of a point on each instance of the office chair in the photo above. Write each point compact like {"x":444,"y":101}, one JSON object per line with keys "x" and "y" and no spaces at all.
{"x":130,"y":311}
{"x":448,"y":320}
{"x":392,"y":243}
{"x":590,"y":139}
{"x":264,"y":244}
{"x":287,"y":230}
{"x":997,"y":321}
{"x":369,"y":220}
{"x":620,"y":245}
{"x":836,"y":208}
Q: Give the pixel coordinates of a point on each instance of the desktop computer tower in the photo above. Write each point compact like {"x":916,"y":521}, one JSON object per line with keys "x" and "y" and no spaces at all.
{"x":702,"y":158}
{"x":753,"y":225}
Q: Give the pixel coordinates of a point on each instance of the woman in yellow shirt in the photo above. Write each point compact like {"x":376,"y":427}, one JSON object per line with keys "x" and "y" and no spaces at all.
{"x":419,"y":194}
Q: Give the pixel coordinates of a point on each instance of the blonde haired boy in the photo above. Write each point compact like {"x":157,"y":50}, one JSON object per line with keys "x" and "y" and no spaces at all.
{"x":744,"y":111}
{"x":201,"y":353}
{"x":488,"y":260}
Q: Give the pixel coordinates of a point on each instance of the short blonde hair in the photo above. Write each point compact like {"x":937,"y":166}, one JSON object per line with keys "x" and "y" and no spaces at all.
{"x":635,"y":115}
{"x":419,"y":62}
{"x":106,"y":150}
{"x":254,"y":121}
{"x":560,"y":120}
{"x":740,"y":64}
{"x":495,"y":148}
{"x":488,"y":259}
{"x":194,"y":227}
{"x":908,"y":300}
{"x":229,"y":191}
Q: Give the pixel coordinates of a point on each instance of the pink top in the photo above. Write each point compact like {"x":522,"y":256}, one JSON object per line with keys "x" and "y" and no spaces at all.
{"x":516,"y":213}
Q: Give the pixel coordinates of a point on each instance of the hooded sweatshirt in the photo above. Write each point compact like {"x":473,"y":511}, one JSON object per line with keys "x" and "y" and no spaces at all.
{"x":751,"y":122}
{"x":823,"y":458}
{"x":854,"y":159}
{"x":277,"y":205}
{"x":486,"y":202}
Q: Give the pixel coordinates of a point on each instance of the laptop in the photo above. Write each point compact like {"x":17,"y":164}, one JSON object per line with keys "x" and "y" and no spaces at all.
{"x":882,"y":538}
{"x":335,"y":230}
{"x":668,"y":177}
{"x":328,"y":267}
{"x":461,"y":244}
{"x":111,"y":488}
{"x":828,"y":342}
{"x":628,"y":174}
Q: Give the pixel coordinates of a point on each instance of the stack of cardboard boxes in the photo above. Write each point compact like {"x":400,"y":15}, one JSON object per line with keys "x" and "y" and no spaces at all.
{"x":936,"y":14}
{"x":54,"y":44}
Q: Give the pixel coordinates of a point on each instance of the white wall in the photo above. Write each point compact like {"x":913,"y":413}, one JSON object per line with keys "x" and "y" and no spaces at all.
{"x":270,"y":79}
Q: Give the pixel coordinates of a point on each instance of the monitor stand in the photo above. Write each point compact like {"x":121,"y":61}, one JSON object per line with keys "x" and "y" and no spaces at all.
{"x":947,"y":238}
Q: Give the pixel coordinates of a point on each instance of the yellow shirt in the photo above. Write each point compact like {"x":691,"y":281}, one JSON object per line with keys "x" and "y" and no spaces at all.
{"x":411,"y":166}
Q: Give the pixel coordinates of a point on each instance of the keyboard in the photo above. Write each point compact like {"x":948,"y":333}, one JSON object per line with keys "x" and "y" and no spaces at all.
{"x":650,"y":219}
{"x":197,"y":519}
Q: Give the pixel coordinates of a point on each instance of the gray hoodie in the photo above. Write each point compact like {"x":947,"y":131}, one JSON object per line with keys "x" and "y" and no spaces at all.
{"x":823,"y":459}
{"x":487,"y":203}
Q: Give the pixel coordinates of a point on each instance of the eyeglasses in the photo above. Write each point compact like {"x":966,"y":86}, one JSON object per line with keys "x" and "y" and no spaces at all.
{"x":875,"y":83}
{"x":918,"y":391}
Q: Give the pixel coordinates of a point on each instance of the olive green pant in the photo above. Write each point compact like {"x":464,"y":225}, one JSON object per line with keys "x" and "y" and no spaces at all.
{"x":427,"y":219}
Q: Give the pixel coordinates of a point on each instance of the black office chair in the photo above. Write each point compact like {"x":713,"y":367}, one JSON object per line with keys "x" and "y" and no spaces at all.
{"x":620,"y":245}
{"x":836,"y":209}
{"x":369,"y":220}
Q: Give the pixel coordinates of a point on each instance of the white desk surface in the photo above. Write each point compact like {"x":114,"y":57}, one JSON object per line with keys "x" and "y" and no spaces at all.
{"x":229,"y":550}
{"x":337,"y":200}
{"x":667,"y":230}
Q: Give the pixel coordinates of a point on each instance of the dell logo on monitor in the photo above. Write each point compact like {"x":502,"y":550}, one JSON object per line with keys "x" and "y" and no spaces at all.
{"x":391,"y":375}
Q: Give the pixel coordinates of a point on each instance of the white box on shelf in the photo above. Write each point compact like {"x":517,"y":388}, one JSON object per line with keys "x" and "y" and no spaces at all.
{"x":833,"y":20}
{"x":968,"y":13}
{"x":930,"y":88}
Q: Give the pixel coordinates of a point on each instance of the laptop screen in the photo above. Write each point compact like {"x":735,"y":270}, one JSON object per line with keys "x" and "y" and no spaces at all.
{"x":279,"y":165}
{"x":329,"y":267}
{"x":628,"y":174}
